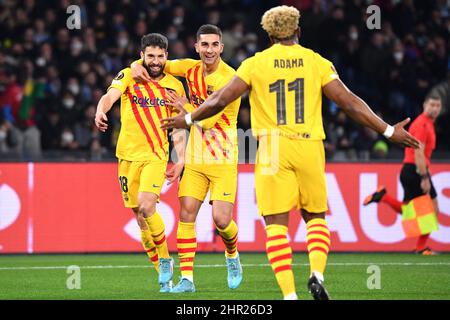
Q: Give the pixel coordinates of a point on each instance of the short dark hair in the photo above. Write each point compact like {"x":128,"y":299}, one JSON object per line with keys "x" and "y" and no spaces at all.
{"x":154,"y":40}
{"x":209,"y":29}
{"x":432,"y":96}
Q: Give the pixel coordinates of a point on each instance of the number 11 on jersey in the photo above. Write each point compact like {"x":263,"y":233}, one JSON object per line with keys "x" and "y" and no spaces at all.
{"x":298,"y":86}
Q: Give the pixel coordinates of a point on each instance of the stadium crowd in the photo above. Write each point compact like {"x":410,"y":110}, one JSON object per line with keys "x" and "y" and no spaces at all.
{"x":51,"y":77}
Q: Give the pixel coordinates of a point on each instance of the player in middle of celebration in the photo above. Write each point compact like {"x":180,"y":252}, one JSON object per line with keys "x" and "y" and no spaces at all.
{"x":211,"y":156}
{"x":286,"y":83}
{"x":143,"y":148}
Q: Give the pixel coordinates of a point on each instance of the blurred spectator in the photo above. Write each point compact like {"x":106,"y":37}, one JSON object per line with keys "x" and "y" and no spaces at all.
{"x":52,"y":76}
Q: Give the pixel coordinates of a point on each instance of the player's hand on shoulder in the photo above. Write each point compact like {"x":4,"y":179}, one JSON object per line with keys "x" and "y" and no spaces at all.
{"x":403,"y":137}
{"x":139,"y":73}
{"x":101,"y":121}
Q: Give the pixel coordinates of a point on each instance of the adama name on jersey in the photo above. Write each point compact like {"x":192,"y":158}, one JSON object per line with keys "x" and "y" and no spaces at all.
{"x":288,"y":63}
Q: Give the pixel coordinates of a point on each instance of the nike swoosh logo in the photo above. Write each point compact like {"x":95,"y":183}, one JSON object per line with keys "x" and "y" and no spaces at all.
{"x":155,"y":186}
{"x":226,"y":194}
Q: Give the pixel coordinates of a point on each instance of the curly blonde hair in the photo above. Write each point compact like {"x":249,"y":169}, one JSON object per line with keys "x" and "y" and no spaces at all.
{"x":281,"y":22}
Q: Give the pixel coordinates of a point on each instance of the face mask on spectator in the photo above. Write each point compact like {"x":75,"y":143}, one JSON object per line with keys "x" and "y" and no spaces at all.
{"x":67,"y":137}
{"x":76,"y":46}
{"x":353,"y":35}
{"x":74,"y":88}
{"x":123,"y":42}
{"x":251,"y":47}
{"x":40,"y":62}
{"x":2,"y":135}
{"x":68,"y":103}
{"x":398,"y":56}
{"x":241,"y":56}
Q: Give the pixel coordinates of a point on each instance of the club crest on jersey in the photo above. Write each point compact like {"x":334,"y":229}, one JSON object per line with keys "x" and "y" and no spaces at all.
{"x":195,"y":99}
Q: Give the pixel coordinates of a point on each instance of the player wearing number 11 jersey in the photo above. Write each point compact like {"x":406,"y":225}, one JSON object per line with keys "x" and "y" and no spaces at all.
{"x":286,"y":83}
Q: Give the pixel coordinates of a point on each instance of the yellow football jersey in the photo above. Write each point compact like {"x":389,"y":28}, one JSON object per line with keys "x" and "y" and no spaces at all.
{"x":214,"y":139}
{"x":142,"y":107}
{"x":286,"y":91}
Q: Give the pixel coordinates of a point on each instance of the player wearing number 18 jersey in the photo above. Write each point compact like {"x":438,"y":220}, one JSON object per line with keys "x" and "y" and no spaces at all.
{"x":286,"y":83}
{"x":143,"y":147}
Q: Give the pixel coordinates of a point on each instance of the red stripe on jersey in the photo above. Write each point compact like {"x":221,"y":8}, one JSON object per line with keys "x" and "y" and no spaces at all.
{"x":224,"y":135}
{"x":141,"y":123}
{"x":157,"y":108}
{"x":196,"y":76}
{"x":163,"y":94}
{"x":225,"y":118}
{"x":191,"y":92}
{"x":151,"y":250}
{"x":208,"y":145}
{"x":214,"y":138}
{"x":183,"y":260}
{"x":148,"y":116}
{"x":205,"y":93}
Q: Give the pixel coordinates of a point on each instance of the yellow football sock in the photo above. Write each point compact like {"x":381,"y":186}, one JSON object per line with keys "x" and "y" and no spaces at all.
{"x":149,"y":247}
{"x":186,"y":245}
{"x":279,"y":253}
{"x":229,"y":237}
{"x":318,"y":243}
{"x":156,"y":225}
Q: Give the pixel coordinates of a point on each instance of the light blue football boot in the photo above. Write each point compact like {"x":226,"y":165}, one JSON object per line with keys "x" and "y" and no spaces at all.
{"x":234,"y":269}
{"x":165,"y":274}
{"x":184,"y":285}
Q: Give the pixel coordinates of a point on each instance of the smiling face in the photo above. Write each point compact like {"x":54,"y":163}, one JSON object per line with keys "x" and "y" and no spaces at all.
{"x":209,"y":47}
{"x":154,"y":61}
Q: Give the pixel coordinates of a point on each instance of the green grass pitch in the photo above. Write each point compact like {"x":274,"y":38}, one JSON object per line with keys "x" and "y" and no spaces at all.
{"x":129,"y":276}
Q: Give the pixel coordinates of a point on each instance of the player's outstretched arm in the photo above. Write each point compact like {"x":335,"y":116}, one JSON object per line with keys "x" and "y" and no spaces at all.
{"x":360,"y":112}
{"x":220,"y":99}
{"x":212,"y":106}
{"x":104,"y":105}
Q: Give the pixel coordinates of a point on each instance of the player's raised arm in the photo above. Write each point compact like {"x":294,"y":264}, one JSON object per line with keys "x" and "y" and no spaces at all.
{"x":104,"y":105}
{"x":219,"y":99}
{"x":359,"y":111}
{"x":215,"y":103}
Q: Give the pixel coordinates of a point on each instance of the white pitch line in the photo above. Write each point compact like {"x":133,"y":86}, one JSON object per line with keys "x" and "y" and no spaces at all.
{"x":243,"y":265}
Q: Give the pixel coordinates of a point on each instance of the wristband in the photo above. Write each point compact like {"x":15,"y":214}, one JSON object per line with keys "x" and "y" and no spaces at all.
{"x":389,"y":131}
{"x":188,"y":119}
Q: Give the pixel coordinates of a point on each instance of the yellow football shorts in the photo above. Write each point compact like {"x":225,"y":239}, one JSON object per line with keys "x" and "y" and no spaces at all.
{"x":220,"y":179}
{"x":290,"y":174}
{"x":140,"y":176}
